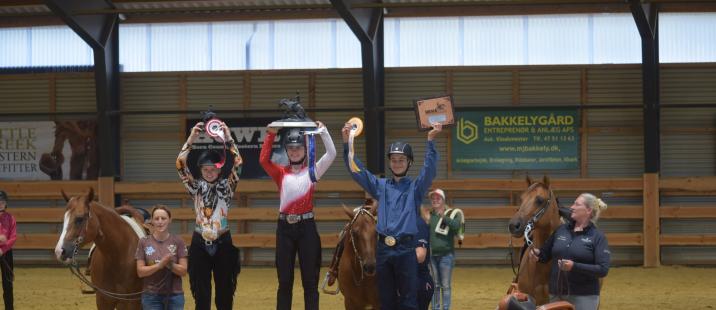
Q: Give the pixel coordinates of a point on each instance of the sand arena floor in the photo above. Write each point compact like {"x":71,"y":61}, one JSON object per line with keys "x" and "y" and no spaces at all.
{"x":671,"y":287}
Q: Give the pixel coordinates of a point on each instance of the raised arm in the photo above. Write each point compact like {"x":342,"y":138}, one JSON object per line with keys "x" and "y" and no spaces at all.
{"x":238,"y":161}
{"x":181,"y":165}
{"x":273,"y":170}
{"x":327,"y":159}
{"x":363,"y":177}
{"x":429,"y":170}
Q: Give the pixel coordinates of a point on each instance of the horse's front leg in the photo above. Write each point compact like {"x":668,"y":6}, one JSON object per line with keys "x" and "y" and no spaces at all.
{"x":104,"y":302}
{"x":541,"y":294}
{"x":130,"y":305}
{"x":354,"y":304}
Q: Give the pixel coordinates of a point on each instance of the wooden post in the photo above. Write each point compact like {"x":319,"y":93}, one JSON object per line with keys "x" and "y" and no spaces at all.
{"x":652,"y":229}
{"x":105,"y":191}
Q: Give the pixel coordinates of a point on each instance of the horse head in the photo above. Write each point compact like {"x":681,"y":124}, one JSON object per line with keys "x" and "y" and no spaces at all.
{"x":535,"y":208}
{"x":362,"y":234}
{"x":79,"y":226}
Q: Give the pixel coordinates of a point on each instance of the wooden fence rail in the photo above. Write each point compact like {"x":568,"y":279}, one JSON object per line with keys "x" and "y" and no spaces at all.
{"x":650,"y":239}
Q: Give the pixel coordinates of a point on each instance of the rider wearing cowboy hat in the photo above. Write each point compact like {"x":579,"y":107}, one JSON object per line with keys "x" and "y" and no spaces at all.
{"x":211,"y":247}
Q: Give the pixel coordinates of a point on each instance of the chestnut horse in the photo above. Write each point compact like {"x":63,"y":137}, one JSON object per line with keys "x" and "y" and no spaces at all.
{"x":356,"y":271}
{"x":537,"y":218}
{"x":113,"y":267}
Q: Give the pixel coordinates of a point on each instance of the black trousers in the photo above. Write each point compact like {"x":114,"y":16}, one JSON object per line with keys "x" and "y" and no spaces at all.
{"x":7,"y":277}
{"x":301,"y":238}
{"x":225,"y":265}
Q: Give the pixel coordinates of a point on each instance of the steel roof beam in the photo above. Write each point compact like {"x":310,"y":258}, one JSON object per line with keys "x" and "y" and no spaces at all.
{"x":367,"y":25}
{"x":101,"y":32}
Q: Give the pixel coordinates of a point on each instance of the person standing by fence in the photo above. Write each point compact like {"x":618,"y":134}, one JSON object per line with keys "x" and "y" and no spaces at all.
{"x":446,"y":224}
{"x":296,"y":231}
{"x":161,"y":262}
{"x":399,"y":199}
{"x":580,"y":255}
{"x":8,"y":235}
{"x":211,"y":246}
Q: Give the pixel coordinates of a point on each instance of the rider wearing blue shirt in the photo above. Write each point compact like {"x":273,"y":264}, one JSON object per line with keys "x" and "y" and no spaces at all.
{"x":399,"y":199}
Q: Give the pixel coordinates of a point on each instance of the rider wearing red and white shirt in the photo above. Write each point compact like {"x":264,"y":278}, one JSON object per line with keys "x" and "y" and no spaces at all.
{"x":296,"y":230}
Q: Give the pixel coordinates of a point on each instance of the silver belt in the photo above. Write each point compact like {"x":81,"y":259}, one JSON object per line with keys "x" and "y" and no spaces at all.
{"x":295,"y":218}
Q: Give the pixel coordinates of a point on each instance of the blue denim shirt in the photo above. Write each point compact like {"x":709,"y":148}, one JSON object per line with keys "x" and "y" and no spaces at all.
{"x":398,"y":203}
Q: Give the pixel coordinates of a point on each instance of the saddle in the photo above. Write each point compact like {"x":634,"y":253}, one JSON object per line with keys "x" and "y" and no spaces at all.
{"x":517,"y":300}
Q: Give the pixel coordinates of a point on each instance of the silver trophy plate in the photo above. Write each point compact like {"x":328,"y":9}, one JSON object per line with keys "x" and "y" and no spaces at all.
{"x":292,"y":124}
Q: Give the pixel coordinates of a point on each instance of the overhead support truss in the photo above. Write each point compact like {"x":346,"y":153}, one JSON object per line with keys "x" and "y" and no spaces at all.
{"x":367,"y":25}
{"x":101,"y":32}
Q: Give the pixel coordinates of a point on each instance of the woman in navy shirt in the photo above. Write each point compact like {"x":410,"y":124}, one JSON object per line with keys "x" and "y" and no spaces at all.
{"x":579,"y":255}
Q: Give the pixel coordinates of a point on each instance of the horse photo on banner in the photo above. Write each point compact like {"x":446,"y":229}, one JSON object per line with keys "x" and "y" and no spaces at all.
{"x":59,"y":150}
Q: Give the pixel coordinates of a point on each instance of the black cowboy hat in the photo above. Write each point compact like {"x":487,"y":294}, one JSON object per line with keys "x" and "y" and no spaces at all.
{"x":199,"y":157}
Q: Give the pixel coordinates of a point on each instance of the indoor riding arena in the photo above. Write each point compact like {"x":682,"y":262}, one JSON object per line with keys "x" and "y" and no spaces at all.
{"x":614,"y":97}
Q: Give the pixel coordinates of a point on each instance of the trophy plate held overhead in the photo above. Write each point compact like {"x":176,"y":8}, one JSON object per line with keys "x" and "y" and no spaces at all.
{"x":293,"y":115}
{"x":434,"y":110}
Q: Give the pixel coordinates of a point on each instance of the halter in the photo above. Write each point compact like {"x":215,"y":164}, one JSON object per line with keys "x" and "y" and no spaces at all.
{"x":353,"y":243}
{"x":75,"y":269}
{"x":536,"y":217}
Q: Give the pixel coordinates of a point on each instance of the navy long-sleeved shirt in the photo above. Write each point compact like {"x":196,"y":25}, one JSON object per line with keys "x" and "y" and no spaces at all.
{"x":398,"y":202}
{"x":590,"y":252}
{"x":423,"y":241}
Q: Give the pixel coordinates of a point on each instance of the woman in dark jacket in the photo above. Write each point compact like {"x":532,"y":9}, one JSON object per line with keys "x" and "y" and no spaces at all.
{"x":580,"y":255}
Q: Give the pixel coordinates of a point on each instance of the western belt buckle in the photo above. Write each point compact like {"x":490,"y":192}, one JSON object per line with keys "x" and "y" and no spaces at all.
{"x":389,"y":240}
{"x":293,"y":218}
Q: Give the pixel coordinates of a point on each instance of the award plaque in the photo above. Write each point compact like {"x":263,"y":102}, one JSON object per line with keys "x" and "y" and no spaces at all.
{"x":434,"y":110}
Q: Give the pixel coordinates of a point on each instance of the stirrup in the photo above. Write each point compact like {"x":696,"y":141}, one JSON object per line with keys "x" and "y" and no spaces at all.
{"x":325,"y":281}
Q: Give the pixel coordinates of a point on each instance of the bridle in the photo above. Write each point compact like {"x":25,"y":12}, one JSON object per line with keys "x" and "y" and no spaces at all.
{"x":357,"y":255}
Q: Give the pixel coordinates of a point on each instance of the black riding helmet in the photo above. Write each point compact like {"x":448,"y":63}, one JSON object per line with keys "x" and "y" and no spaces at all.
{"x":294,"y":137}
{"x":400,"y":147}
{"x":209,"y":158}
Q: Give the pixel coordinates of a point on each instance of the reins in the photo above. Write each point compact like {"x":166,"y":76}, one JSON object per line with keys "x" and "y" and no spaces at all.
{"x":74,"y":267}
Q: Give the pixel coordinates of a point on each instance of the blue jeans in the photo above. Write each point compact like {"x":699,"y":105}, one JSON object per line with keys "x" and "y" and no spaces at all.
{"x":442,"y":273}
{"x":397,"y":275}
{"x":159,"y":301}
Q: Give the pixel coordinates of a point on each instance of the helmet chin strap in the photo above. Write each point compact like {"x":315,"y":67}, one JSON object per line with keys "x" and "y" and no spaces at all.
{"x":297,"y":163}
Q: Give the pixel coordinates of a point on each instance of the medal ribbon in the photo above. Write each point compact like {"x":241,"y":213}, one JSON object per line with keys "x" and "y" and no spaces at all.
{"x":312,"y":157}
{"x":219,"y":135}
{"x":351,"y":151}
